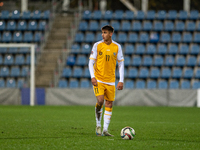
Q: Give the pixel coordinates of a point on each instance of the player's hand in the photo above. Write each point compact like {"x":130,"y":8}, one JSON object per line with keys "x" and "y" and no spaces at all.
{"x":120,"y":86}
{"x":94,"y":81}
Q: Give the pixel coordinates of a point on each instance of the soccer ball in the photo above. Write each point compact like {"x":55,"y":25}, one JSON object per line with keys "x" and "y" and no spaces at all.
{"x":127,"y":133}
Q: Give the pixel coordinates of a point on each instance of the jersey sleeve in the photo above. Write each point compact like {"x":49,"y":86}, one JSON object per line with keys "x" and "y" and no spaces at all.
{"x":120,"y":56}
{"x":93,"y":54}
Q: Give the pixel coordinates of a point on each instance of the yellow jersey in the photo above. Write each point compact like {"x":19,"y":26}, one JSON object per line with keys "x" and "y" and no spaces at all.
{"x":105,"y":57}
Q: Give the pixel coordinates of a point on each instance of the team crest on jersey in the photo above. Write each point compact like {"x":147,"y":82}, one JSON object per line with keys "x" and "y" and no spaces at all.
{"x":114,"y":54}
{"x":100,"y":53}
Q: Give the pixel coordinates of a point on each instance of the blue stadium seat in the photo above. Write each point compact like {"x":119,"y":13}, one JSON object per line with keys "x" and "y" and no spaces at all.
{"x":173,"y":84}
{"x":184,"y":49}
{"x":129,"y":84}
{"x":194,"y":15}
{"x":13,"y":50}
{"x":21,"y":83}
{"x":140,"y":84}
{"x":28,"y":60}
{"x":1,"y":59}
{"x":158,"y":61}
{"x":62,"y":83}
{"x":161,"y":15}
{"x":182,"y":15}
{"x":118,"y":15}
{"x":8,"y":60}
{"x":143,"y":73}
{"x":127,"y":60}
{"x":132,"y":37}
{"x":11,"y":25}
{"x":168,"y":26}
{"x":151,"y":14}
{"x":194,"y":50}
{"x":36,"y":14}
{"x":108,"y":15}
{"x":28,"y":37}
{"x":2,"y":83}
{"x":22,"y":25}
{"x":190,"y":26}
{"x":5,"y":71}
{"x":97,"y":15}
{"x":86,"y":15}
{"x":180,"y":61}
{"x":140,"y":15}
{"x":154,"y":37}
{"x":187,"y":37}
{"x":191,"y":61}
{"x":122,"y":37}
{"x":10,"y":83}
{"x":132,"y":73}
{"x":73,"y":83}
{"x":151,"y":49}
{"x":15,"y":71}
{"x":24,"y":50}
{"x":188,"y":73}
{"x":166,"y":73}
{"x":165,"y":37}
{"x":129,"y":49}
{"x":116,"y":25}
{"x":151,"y":84}
{"x":19,"y":59}
{"x":197,"y":73}
{"x":198,"y":25}
{"x":5,"y":14}
{"x":17,"y":36}
{"x":162,"y":84}
{"x":98,"y":36}
{"x":126,"y":26}
{"x":32,"y":25}
{"x":179,"y":26}
{"x":25,"y":71}
{"x":79,"y":37}
{"x":172,"y":14}
{"x":147,"y":61}
{"x":147,"y":26}
{"x":176,"y":73}
{"x":103,"y":23}
{"x":86,"y":72}
{"x":114,"y":36}
{"x":129,"y":15}
{"x":67,"y":72}
{"x":157,"y":26}
{"x":195,"y":84}
{"x":176,"y":37}
{"x":89,"y":37}
{"x":83,"y":26}
{"x":196,"y":38}
{"x":93,"y":25}
{"x":46,"y":14}
{"x":185,"y":84}
{"x":77,"y":72}
{"x":173,"y":49}
{"x":84,"y":83}
{"x":144,"y":37}
{"x":7,"y":37}
{"x":81,"y":60}
{"x":154,"y":73}
{"x":42,"y":25}
{"x":169,"y":61}
{"x":26,"y":15}
{"x":38,"y":36}
{"x":86,"y":49}
{"x":2,"y":25}
{"x":71,"y":60}
{"x":140,"y":49}
{"x":136,"y":26}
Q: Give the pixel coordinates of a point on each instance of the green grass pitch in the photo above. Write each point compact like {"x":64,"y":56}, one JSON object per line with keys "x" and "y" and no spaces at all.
{"x":73,"y":127}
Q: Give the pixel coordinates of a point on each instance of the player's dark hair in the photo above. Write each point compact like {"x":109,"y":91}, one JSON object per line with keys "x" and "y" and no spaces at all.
{"x":108,"y":27}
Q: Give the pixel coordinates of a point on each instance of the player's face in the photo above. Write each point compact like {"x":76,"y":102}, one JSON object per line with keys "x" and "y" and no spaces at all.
{"x":106,"y":35}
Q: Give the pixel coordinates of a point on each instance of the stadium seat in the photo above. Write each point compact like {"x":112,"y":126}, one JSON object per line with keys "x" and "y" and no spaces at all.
{"x":86,"y":72}
{"x":17,"y":36}
{"x":185,"y":84}
{"x":108,"y":15}
{"x":182,"y":15}
{"x":180,"y":61}
{"x":2,"y":83}
{"x":126,"y":26}
{"x":197,"y":73}
{"x":62,"y":83}
{"x":5,"y":15}
{"x":86,"y":15}
{"x":93,"y":25}
{"x":165,"y":37}
{"x":36,"y":14}
{"x":84,"y":83}
{"x":173,"y":49}
{"x":77,"y":72}
{"x":132,"y":73}
{"x":132,"y":37}
{"x":140,"y":49}
{"x":25,"y":71}
{"x":140,"y":84}
{"x":129,"y":84}
{"x":194,"y":50}
{"x":38,"y":36}
{"x":166,"y":73}
{"x":140,"y":15}
{"x":103,"y":23}
{"x":118,"y":15}
{"x":154,"y":37}
{"x":194,"y":15}
{"x":169,"y":61}
{"x":129,"y":15}
{"x":147,"y":61}
{"x":11,"y":25}
{"x":1,"y":59}
{"x":183,"y":49}
{"x":157,"y":26}
{"x":42,"y":25}
{"x":32,"y":25}
{"x":151,"y":14}
{"x":143,"y":73}
{"x":198,"y":25}
{"x":5,"y":71}
{"x":79,"y":37}
{"x":24,"y":50}
{"x":136,"y":26}
{"x":162,"y":84}
{"x":46,"y":15}
{"x":173,"y":84}
{"x":151,"y":49}
{"x":115,"y":24}
{"x":188,"y":73}
{"x":98,"y":36}
{"x":13,"y":50}
{"x":168,"y":26}
{"x":191,"y":61}
{"x":26,"y":15}
{"x":89,"y":37}
{"x":83,"y":26}
{"x":151,"y":84}
{"x":127,"y":60}
{"x":15,"y":71}
{"x":196,"y":38}
{"x":154,"y":73}
{"x":97,"y":15}
{"x":158,"y":61}
{"x":144,"y":37}
{"x":176,"y":73}
{"x":21,"y":83}
{"x":10,"y":83}
{"x":129,"y":49}
{"x":86,"y":49}
{"x":81,"y":60}
{"x":187,"y":37}
{"x":22,"y":25}
{"x":179,"y":26}
{"x":28,"y":37}
{"x":7,"y":37}
{"x":28,"y":60}
{"x":172,"y":15}
{"x":71,"y":60}
{"x":19,"y":59}
{"x":73,"y":83}
{"x":147,"y":26}
{"x":190,"y":26}
{"x":122,"y":37}
{"x":67,"y":72}
{"x":176,"y":37}
{"x":161,"y":15}
{"x":2,"y":25}
{"x":8,"y":60}
{"x":195,"y":84}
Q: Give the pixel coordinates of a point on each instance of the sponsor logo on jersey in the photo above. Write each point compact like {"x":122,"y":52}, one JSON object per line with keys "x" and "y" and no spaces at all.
{"x":100,"y":53}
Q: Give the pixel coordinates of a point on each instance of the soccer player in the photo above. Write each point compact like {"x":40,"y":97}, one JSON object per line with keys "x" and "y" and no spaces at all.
{"x":102,"y":65}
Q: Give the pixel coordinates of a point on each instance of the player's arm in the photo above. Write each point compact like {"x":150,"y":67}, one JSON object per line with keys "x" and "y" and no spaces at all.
{"x":120,"y":59}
